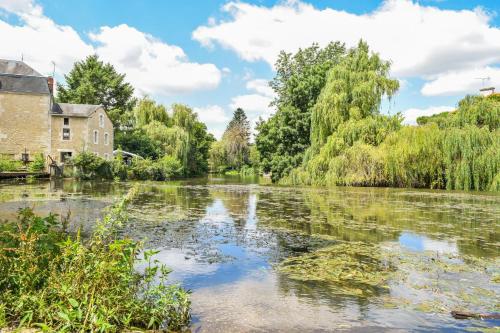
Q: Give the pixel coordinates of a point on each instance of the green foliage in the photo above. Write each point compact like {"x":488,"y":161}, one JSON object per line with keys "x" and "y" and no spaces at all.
{"x":182,"y":136}
{"x":7,"y":164}
{"x":90,"y":166}
{"x":233,"y":150}
{"x":254,"y":158}
{"x":236,"y":139}
{"x":282,"y":141}
{"x":354,"y":90}
{"x":118,"y":167}
{"x":38,"y":164}
{"x":147,"y":111}
{"x":138,"y":142}
{"x":300,"y":77}
{"x":93,"y":82}
{"x":283,"y":138}
{"x":456,"y":158}
{"x":472,"y":110}
{"x":217,"y":157}
{"x":55,"y":281}
{"x":164,"y":168}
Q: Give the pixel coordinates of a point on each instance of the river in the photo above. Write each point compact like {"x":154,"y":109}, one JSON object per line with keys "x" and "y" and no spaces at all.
{"x":259,"y":257}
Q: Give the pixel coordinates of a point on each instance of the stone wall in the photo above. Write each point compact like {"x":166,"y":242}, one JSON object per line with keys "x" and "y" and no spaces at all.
{"x":101,"y":148}
{"x":78,"y":137}
{"x":24,"y":124}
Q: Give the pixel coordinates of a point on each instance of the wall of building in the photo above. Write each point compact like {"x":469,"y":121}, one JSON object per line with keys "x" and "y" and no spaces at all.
{"x":24,"y":124}
{"x":77,"y":139}
{"x":101,"y":148}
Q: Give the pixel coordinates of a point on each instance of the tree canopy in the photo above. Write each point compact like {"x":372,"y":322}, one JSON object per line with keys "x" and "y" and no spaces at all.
{"x":92,"y":81}
{"x":300,"y":77}
{"x":354,"y":90}
{"x":233,"y":150}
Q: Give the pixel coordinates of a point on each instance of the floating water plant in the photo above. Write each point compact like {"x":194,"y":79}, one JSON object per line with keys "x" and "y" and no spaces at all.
{"x":356,"y":268}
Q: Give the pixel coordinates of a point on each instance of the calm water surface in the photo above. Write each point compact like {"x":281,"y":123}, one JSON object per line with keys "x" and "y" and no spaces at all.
{"x":225,"y":237}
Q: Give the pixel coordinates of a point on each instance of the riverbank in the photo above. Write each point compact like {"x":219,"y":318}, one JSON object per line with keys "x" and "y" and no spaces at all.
{"x":226,"y":239}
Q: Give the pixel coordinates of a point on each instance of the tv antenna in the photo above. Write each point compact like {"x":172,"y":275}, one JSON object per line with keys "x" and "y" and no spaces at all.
{"x":483,"y":80}
{"x":53,"y":68}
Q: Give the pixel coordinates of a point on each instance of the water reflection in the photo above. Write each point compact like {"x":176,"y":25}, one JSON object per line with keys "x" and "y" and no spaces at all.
{"x":224,"y":237}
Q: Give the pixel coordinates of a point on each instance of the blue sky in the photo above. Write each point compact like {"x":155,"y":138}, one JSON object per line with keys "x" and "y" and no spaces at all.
{"x":216,"y":55}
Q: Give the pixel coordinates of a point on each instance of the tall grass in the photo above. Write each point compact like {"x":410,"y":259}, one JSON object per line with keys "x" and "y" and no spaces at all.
{"x":55,"y":281}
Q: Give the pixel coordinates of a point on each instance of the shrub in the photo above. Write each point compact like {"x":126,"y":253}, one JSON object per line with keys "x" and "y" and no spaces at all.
{"x":163,"y":169}
{"x":7,"y":164}
{"x":60,"y":282}
{"x":90,"y":166}
{"x":38,"y":164}
{"x":118,"y":167}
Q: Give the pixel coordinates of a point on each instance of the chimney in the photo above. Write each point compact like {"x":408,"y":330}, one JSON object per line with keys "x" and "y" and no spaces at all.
{"x":50,"y":82}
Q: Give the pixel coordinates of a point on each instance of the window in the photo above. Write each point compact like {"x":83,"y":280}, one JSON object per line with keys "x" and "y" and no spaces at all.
{"x":106,"y":156}
{"x":106,"y":139}
{"x":66,"y":121}
{"x":101,"y":120}
{"x":96,"y":137}
{"x":66,"y":134}
{"x":66,"y":156}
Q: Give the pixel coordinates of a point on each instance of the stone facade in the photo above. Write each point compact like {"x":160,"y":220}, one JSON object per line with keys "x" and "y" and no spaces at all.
{"x":24,"y":124}
{"x":80,"y":135}
{"x":99,"y":123}
{"x":31,"y":122}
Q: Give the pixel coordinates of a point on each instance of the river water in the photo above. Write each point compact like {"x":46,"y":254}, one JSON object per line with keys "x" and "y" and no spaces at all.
{"x":259,"y":257}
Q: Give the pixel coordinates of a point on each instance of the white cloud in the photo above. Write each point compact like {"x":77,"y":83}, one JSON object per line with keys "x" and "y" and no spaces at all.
{"x":257,"y":103}
{"x":152,"y":66}
{"x":214,"y":117}
{"x":39,"y":39}
{"x":211,"y":114}
{"x":467,"y":81}
{"x":422,"y":41}
{"x":411,"y":115}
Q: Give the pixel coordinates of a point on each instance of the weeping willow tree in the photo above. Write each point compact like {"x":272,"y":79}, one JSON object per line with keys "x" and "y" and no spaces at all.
{"x":354,"y":90}
{"x":147,"y":111}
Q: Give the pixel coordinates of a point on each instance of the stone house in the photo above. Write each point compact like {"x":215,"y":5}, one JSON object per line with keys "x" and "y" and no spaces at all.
{"x":32,"y":123}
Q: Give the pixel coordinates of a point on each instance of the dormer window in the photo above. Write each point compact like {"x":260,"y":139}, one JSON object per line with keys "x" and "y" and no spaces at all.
{"x":101,"y":120}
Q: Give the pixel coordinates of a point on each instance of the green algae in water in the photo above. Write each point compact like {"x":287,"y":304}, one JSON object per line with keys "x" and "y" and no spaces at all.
{"x":352,"y":269}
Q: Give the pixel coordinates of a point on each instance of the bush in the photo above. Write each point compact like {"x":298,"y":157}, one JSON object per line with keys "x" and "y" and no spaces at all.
{"x":38,"y":164}
{"x":7,"y":164}
{"x":163,"y":169}
{"x":60,"y":282}
{"x":90,"y":166}
{"x":119,"y":168}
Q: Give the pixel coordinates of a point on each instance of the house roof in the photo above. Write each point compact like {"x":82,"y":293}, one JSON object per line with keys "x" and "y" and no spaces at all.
{"x":24,"y":84}
{"x":74,"y":110}
{"x":16,"y":76}
{"x":17,"y":68}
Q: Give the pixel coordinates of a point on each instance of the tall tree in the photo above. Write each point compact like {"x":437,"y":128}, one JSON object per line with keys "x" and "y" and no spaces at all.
{"x":237,"y":139}
{"x":147,"y":110}
{"x":354,"y":90}
{"x":300,"y":77}
{"x":92,"y":81}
